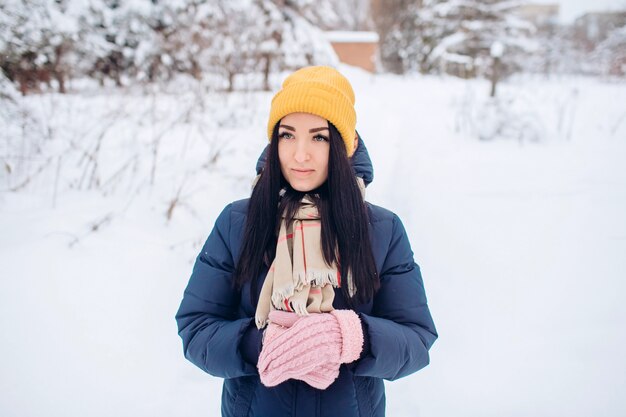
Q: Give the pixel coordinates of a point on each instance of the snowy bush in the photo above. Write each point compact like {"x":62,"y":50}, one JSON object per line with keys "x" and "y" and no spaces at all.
{"x":21,"y":139}
{"x":610,"y":54}
{"x":38,"y":40}
{"x":165,"y":142}
{"x":528,"y":110}
{"x":501,"y":118}
{"x":508,"y":116}
{"x":48,"y":41}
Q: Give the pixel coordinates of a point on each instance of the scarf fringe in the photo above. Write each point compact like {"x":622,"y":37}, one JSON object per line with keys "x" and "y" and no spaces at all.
{"x":279,"y":297}
{"x":314,"y":278}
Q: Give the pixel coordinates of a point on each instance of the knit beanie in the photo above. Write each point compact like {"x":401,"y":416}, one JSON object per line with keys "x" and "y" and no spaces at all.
{"x":318,"y":90}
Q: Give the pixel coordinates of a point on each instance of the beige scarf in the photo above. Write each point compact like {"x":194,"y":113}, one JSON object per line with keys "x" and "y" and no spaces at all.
{"x":299,"y":279}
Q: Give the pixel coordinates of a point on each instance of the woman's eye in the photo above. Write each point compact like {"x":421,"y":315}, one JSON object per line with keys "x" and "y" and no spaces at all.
{"x":285,"y":135}
{"x":320,"y":138}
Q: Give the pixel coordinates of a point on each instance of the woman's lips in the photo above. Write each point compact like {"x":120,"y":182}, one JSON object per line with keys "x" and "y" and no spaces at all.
{"x":302,"y":172}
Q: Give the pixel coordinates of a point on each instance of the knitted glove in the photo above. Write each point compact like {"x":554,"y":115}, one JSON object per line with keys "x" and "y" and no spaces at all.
{"x":309,"y":348}
{"x":350,"y":328}
{"x":351,"y":335}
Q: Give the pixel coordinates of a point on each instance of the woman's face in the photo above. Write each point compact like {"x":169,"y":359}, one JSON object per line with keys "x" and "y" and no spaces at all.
{"x":303,"y":149}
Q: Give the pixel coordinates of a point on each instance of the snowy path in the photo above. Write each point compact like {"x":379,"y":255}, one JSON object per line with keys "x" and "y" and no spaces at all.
{"x":521,"y":247}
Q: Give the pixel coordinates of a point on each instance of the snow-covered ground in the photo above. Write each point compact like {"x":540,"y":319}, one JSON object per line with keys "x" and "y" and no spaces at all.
{"x":522,"y":242}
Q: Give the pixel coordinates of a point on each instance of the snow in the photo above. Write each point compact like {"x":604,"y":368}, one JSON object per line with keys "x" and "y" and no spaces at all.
{"x":521,"y":240}
{"x":351,"y":36}
{"x":497,"y":49}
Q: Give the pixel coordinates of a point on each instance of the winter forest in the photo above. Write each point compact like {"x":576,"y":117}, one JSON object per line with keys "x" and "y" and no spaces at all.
{"x":497,"y":133}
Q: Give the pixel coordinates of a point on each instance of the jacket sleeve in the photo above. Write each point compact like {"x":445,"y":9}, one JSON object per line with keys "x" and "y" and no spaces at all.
{"x":207,"y":316}
{"x":400,"y":330}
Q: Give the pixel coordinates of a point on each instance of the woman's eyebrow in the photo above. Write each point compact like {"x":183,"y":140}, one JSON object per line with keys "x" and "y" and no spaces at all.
{"x":293,"y":129}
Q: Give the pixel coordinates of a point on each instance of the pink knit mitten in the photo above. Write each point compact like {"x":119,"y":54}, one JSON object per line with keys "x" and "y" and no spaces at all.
{"x":351,"y":335}
{"x":309,"y":348}
{"x":294,"y":351}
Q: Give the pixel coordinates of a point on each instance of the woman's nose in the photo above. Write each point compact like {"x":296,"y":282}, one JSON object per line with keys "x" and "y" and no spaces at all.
{"x":301,"y":153}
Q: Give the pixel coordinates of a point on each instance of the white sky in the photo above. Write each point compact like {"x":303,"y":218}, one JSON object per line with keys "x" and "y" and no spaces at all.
{"x":571,"y":9}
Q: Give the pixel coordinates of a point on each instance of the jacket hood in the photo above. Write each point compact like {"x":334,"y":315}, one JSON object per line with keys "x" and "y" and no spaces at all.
{"x":361,"y":162}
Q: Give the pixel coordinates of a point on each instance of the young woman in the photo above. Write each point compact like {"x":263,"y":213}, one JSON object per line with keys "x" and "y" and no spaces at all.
{"x":304,"y":296}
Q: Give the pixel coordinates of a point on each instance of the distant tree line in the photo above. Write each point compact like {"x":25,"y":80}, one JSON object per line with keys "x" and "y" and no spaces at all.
{"x":148,"y":40}
{"x":458,"y":37}
{"x":48,"y":42}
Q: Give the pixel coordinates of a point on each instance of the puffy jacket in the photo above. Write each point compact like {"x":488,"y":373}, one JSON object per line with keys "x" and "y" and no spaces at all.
{"x":216,"y":324}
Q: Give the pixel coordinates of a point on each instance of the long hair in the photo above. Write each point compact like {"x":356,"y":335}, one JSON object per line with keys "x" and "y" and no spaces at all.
{"x":343,"y":214}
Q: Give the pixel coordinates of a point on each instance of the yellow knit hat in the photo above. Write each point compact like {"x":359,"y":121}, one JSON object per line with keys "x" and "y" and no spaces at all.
{"x":318,"y":90}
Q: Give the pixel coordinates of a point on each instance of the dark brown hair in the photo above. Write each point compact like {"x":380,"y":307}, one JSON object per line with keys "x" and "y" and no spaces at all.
{"x":343,"y":214}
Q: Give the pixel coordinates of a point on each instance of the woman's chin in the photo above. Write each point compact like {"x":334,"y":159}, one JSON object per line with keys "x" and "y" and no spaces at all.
{"x":304,"y":186}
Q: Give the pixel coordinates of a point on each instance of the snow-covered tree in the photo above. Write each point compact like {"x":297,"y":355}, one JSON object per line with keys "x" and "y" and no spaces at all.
{"x":332,"y":14}
{"x":610,"y":54}
{"x":397,"y":24}
{"x":474,"y":27}
{"x":118,"y":39}
{"x":251,"y":36}
{"x":38,"y":38}
{"x":452,"y":36}
{"x":150,"y":40}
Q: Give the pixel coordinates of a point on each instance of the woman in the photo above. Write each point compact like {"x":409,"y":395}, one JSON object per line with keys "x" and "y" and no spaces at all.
{"x":305,"y":297}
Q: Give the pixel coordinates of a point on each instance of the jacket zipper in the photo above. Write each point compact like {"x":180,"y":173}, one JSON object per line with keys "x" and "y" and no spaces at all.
{"x":318,"y":404}
{"x":294,"y":408}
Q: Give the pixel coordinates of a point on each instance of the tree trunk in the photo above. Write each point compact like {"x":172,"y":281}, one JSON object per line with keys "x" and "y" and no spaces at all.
{"x":231,"y":81}
{"x":57,"y":66}
{"x":61,"y":81}
{"x":494,"y":76}
{"x":266,"y":72}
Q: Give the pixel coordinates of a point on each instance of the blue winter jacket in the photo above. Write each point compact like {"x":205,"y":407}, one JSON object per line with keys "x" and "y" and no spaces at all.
{"x":216,"y":324}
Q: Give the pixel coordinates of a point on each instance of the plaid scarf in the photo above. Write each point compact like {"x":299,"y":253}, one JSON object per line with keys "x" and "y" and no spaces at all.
{"x":299,"y":279}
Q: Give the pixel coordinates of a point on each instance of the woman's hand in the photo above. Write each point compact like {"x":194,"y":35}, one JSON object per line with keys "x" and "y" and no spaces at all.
{"x":309,"y":348}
